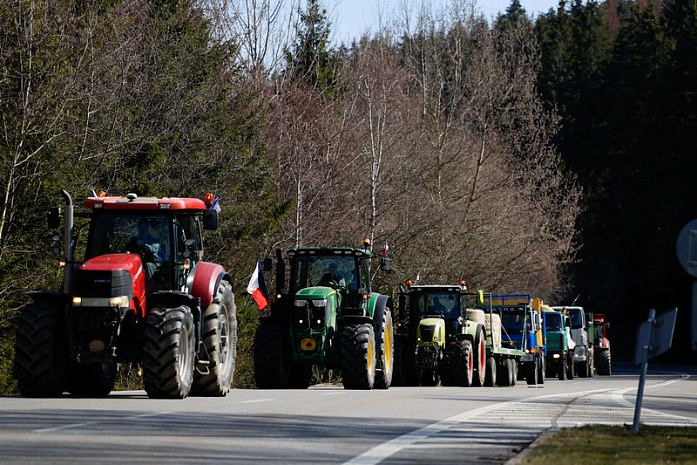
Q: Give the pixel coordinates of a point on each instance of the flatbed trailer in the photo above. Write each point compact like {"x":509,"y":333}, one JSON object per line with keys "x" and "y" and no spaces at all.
{"x":510,"y":346}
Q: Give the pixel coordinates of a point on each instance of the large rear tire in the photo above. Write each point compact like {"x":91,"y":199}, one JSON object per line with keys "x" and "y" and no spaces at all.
{"x":604,"y":363}
{"x":41,"y":352}
{"x":92,"y":380}
{"x":464,"y":367}
{"x":358,"y":356}
{"x":272,"y":356}
{"x":383,"y":376}
{"x":480,"y":365}
{"x":405,"y":372}
{"x":490,"y":378}
{"x":220,"y":340}
{"x":168,"y":355}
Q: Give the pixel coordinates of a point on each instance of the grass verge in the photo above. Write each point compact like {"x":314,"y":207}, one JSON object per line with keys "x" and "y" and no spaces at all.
{"x":617,"y":445}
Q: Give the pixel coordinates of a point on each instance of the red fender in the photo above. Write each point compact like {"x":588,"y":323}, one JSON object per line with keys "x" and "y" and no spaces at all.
{"x":205,"y":280}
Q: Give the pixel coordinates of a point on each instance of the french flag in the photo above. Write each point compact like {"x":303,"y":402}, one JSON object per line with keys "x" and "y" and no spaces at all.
{"x":257,"y":288}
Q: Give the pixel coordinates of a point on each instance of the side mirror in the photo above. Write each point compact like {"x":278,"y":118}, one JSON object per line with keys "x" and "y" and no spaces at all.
{"x":53,"y":218}
{"x":385,"y":264}
{"x":210,"y":220}
{"x":268,"y":264}
{"x":607,"y":325}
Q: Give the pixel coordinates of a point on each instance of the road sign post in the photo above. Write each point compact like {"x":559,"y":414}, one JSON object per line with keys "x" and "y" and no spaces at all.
{"x":654,"y":337}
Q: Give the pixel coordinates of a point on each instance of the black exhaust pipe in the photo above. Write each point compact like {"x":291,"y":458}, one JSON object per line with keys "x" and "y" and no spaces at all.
{"x":69,"y":252}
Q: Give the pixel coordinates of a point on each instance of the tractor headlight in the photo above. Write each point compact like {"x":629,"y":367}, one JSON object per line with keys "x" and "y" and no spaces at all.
{"x":119,"y":302}
{"x":320,"y":303}
{"x":300,"y":303}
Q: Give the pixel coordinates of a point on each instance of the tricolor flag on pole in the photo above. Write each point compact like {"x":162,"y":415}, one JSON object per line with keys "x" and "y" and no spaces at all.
{"x":257,"y":288}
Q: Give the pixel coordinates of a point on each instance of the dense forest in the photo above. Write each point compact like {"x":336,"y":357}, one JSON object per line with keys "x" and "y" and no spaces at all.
{"x":547,"y":155}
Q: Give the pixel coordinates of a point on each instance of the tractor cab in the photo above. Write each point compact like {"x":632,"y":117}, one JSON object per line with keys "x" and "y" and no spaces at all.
{"x":169,"y":242}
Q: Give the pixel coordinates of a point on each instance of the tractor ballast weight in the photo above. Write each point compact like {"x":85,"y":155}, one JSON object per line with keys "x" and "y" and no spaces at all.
{"x":327,"y":315}
{"x":438,"y":337}
{"x":141,"y":295}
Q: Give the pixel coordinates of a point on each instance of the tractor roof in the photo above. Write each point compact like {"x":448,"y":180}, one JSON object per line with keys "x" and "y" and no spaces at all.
{"x":336,"y":251}
{"x":439,"y":288}
{"x":132,"y":202}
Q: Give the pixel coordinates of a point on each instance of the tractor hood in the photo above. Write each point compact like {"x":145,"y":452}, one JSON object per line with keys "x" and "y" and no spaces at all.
{"x":112,"y":275}
{"x":317,"y":292}
{"x":130,"y":262}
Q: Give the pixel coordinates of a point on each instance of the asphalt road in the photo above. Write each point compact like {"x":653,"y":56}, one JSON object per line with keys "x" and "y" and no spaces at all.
{"x":328,"y":424}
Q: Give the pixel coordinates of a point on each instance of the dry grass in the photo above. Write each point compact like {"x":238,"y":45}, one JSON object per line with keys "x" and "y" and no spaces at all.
{"x":617,"y":445}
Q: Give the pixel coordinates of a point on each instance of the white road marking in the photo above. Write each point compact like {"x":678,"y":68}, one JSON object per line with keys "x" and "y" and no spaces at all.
{"x":389,"y":448}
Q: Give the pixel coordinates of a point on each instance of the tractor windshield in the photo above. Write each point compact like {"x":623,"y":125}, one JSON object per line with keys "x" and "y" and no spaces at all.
{"x":576,"y":315}
{"x":325,"y":270}
{"x":445,"y":304}
{"x":553,"y":321}
{"x":118,"y":232}
{"x":513,"y":319}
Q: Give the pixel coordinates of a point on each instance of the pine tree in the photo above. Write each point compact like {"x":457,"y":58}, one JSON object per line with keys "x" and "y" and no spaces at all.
{"x":311,"y":57}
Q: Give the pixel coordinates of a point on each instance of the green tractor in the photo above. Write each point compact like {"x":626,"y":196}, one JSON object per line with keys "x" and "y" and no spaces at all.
{"x":327,"y":316}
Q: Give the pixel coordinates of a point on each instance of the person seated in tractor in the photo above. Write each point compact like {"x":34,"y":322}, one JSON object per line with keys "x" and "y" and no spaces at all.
{"x":148,"y":246}
{"x":332,"y":278}
{"x":438,"y":307}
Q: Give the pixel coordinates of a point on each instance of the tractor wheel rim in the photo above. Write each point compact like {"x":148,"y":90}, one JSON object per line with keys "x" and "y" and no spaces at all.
{"x":388,"y":347}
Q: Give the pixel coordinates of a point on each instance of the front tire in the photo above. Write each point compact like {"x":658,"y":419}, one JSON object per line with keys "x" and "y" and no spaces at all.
{"x":272,"y":356}
{"x":464,"y":369}
{"x":220,"y":340}
{"x":506,"y":376}
{"x":479,"y":359}
{"x":41,"y":352}
{"x":562,"y":370}
{"x":168,"y":355}
{"x":358,"y":356}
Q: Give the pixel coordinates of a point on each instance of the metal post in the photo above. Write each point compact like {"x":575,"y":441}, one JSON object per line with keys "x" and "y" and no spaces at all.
{"x":642,"y":378}
{"x":694,"y":315}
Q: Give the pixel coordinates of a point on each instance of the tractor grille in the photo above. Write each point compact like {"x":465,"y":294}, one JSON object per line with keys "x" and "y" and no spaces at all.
{"x":427,"y":333}
{"x":95,"y":283}
{"x":309,"y":316}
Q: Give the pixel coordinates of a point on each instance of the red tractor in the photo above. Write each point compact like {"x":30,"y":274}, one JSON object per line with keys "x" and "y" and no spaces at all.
{"x":141,"y":295}
{"x":602,"y":345}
